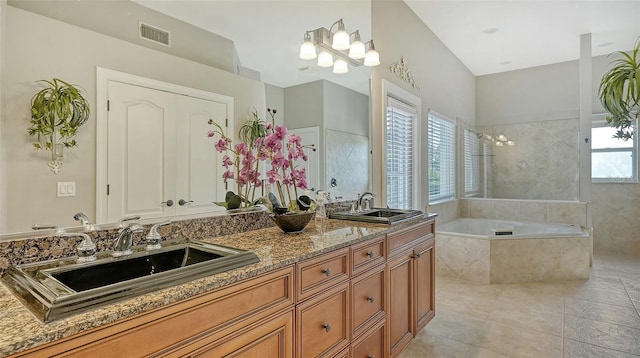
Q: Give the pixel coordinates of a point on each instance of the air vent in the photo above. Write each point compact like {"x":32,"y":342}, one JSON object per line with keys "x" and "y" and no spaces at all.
{"x":155,"y":34}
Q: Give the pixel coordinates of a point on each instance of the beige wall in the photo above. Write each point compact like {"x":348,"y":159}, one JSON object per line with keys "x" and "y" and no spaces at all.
{"x":33,"y":52}
{"x":446,"y":85}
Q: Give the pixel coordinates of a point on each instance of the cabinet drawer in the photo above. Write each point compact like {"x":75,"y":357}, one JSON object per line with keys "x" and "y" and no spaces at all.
{"x":367,"y":254}
{"x":371,"y":344}
{"x":317,"y":274}
{"x":400,"y":240}
{"x":323,"y":323}
{"x":368,"y":299}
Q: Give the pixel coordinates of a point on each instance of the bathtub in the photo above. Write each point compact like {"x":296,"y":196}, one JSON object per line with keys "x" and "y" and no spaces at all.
{"x":492,"y":251}
{"x":502,"y":229}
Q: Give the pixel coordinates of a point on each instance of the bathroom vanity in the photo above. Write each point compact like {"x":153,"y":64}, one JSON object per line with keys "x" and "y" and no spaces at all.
{"x":339,"y":289}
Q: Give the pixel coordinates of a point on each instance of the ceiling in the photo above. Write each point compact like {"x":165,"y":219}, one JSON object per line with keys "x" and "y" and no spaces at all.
{"x":487,"y":36}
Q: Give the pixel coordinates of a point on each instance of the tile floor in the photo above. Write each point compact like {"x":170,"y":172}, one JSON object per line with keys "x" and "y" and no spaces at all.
{"x":599,"y":317}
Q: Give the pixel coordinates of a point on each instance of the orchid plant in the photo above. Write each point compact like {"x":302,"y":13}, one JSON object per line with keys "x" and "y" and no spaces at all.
{"x":263,"y":141}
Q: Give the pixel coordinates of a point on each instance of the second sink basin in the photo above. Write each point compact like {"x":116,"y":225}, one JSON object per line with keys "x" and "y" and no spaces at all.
{"x":379,"y":215}
{"x":60,"y":288}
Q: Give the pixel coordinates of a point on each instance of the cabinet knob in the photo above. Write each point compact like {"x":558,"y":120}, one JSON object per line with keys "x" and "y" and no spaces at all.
{"x":168,"y":202}
{"x":418,"y":255}
{"x":371,"y":356}
{"x":371,"y":299}
{"x":326,"y":272}
{"x":369,"y":254}
{"x":327,"y":327}
{"x":183,"y":202}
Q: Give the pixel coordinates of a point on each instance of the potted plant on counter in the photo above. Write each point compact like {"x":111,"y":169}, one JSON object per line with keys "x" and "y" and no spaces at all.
{"x":57,"y":112}
{"x":266,"y":142}
{"x":619,"y":93}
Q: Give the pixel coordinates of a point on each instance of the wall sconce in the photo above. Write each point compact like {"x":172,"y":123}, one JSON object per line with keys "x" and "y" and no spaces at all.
{"x":338,"y":45}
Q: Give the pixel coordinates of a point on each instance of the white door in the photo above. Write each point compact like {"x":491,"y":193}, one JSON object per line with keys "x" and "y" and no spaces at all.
{"x":141,"y":156}
{"x":199,"y":166}
{"x":310,"y":135}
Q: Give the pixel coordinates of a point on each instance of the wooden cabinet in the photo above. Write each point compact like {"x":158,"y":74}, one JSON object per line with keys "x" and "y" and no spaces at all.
{"x":411,"y":276}
{"x":367,"y":300}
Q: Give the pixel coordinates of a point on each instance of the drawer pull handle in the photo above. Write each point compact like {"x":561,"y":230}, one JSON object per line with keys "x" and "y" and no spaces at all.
{"x":369,"y":254}
{"x":371,"y":356}
{"x":371,"y":299}
{"x":327,"y":327}
{"x":327,"y":272}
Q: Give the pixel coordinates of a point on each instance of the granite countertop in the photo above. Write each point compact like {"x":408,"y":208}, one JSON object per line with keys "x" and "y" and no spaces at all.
{"x":21,"y":330}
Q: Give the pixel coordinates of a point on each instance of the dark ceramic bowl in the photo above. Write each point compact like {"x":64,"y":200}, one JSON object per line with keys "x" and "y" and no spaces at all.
{"x":293,"y":222}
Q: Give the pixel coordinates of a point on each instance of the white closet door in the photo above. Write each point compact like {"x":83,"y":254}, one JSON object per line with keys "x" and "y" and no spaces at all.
{"x":310,"y":135}
{"x":141,"y":156}
{"x":199,"y":166}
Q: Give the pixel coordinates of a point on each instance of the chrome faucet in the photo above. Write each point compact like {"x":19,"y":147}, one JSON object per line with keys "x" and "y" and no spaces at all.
{"x":84,"y":220}
{"x":124,"y":241}
{"x":154,"y":237}
{"x":86,"y":249}
{"x":361,"y":197}
{"x":122,"y":221}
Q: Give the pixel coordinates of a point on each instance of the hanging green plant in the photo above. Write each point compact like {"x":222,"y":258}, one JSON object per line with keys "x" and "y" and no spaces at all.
{"x":57,"y":111}
{"x":619,"y":93}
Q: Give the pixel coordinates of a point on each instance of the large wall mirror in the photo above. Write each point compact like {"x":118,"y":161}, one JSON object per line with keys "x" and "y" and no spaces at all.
{"x":253,"y":58}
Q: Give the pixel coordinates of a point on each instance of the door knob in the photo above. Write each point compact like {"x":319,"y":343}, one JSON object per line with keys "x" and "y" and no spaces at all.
{"x":183,"y":202}
{"x":168,"y":202}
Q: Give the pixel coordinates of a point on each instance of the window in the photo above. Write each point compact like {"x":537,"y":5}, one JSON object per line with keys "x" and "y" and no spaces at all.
{"x":471,"y":163}
{"x":441,"y":142}
{"x":612,"y":159}
{"x":399,"y":145}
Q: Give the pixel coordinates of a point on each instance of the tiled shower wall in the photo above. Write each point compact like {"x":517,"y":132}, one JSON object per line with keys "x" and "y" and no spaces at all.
{"x":542,"y":165}
{"x":616,"y":217}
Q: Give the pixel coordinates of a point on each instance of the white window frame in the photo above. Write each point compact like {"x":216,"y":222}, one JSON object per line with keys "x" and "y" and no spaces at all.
{"x":390,"y":90}
{"x":599,"y":121}
{"x":450,"y":195}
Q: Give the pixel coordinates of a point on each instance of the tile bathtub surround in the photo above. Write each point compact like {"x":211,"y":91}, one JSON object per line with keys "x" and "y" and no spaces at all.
{"x":501,"y":260}
{"x":595,"y":318}
{"x":20,"y":251}
{"x":565,"y":212}
{"x":447,"y":211}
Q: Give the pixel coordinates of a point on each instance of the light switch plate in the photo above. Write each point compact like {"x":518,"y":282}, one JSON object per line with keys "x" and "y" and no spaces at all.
{"x":66,"y":188}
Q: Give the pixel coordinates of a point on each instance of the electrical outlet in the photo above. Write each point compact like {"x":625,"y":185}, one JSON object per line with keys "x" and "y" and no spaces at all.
{"x":66,"y":188}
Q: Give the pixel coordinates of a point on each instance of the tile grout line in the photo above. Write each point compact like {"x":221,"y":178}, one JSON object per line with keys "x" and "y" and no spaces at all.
{"x":563,"y":310}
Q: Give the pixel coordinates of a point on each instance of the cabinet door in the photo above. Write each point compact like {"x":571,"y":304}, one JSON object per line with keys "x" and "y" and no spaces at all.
{"x":141,"y":152}
{"x":400,"y":302}
{"x":271,"y":339}
{"x":425,"y":278}
{"x":199,"y":166}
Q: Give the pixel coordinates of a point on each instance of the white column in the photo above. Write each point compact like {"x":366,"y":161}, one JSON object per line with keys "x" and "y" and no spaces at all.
{"x":586,"y":89}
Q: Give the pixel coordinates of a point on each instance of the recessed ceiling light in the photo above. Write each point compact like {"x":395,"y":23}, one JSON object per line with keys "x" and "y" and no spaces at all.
{"x":505,"y":62}
{"x":605,"y":44}
{"x":490,"y":30}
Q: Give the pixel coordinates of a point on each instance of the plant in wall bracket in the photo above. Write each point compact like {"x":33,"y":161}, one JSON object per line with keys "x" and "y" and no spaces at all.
{"x":57,"y":111}
{"x":619,"y":93}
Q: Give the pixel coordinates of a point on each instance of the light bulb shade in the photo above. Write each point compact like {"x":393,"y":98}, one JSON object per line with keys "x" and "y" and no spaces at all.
{"x":308,"y":50}
{"x":340,"y":38}
{"x":502,"y":137}
{"x":340,"y":67}
{"x":356,"y":51}
{"x":372,"y":58}
{"x":510,"y":142}
{"x":325,"y":59}
{"x":499,"y":144}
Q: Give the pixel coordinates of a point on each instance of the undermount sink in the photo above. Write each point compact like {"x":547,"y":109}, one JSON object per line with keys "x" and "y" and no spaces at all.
{"x":59,"y":288}
{"x":378,"y":215}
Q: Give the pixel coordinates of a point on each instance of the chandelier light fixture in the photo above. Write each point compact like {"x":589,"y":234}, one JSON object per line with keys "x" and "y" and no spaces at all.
{"x":337,"y":49}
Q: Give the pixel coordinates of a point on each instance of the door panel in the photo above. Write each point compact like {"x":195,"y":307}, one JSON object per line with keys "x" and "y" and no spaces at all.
{"x":199,"y":165}
{"x":140,"y":158}
{"x":312,"y":165}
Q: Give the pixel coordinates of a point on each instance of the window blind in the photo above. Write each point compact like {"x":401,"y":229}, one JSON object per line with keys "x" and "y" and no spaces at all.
{"x":441,"y":142}
{"x":399,"y":154}
{"x":471,"y":163}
